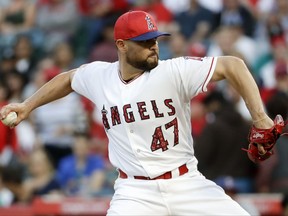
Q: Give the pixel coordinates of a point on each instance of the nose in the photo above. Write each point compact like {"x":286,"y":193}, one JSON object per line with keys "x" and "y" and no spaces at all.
{"x":154,"y":44}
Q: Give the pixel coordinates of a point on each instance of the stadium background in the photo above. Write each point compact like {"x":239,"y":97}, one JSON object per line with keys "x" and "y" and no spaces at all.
{"x":56,"y":162}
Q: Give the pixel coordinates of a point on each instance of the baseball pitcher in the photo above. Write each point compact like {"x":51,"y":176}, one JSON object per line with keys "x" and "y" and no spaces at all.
{"x":145,"y":108}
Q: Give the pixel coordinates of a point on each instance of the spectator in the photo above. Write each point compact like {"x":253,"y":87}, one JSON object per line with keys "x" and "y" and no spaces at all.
{"x":81,"y":173}
{"x":16,"y":18}
{"x":16,"y":83}
{"x":274,"y":29}
{"x":234,"y":13}
{"x":105,"y":50}
{"x":176,"y":7}
{"x":54,"y":129}
{"x":63,"y":57}
{"x":6,"y":196}
{"x":55,"y":123}
{"x":13,"y":177}
{"x":178,"y":46}
{"x":230,"y":40}
{"x":8,"y":138}
{"x":25,"y":59}
{"x":60,"y":59}
{"x":195,"y":20}
{"x":281,"y":76}
{"x":58,"y":19}
{"x":215,"y":6}
{"x":25,"y":133}
{"x":39,"y":76}
{"x":95,"y":14}
{"x":281,"y":10}
{"x":7,"y":62}
{"x":269,"y":34}
{"x":218,"y":148}
{"x":267,"y":71}
{"x":41,"y":178}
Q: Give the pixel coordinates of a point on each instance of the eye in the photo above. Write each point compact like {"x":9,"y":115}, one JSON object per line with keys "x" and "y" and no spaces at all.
{"x":151,"y":41}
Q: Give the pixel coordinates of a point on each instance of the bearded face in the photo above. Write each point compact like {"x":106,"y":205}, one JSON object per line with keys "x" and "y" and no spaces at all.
{"x":143,"y":55}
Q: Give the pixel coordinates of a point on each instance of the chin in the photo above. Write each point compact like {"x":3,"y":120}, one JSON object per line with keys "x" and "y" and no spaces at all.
{"x":152,"y":65}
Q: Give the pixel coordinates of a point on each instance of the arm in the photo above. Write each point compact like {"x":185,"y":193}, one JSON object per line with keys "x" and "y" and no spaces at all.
{"x":96,"y":181}
{"x":237,"y":74}
{"x":56,"y":88}
{"x":30,"y":14}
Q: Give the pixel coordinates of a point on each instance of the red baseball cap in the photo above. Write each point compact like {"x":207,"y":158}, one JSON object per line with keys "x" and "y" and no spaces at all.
{"x":136,"y":26}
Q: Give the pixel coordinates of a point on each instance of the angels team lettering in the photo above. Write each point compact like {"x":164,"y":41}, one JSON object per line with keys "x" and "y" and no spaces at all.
{"x":142,"y":112}
{"x":158,"y":139}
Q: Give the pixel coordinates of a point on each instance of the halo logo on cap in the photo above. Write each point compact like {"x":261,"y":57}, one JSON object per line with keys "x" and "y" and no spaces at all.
{"x":137,"y":26}
{"x":149,"y":22}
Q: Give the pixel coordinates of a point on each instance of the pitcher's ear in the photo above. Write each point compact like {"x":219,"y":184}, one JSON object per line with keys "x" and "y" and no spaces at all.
{"x":121,"y":45}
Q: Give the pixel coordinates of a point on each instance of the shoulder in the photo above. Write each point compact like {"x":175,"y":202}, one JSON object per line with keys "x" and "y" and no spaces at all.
{"x":187,"y":61}
{"x":97,"y":67}
{"x":225,"y":62}
{"x":89,"y":70}
{"x":169,"y":62}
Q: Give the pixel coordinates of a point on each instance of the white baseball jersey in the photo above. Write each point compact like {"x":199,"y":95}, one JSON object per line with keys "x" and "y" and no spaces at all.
{"x":147,"y":119}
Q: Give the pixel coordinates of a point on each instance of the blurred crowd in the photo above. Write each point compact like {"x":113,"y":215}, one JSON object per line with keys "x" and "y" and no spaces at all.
{"x":62,"y":147}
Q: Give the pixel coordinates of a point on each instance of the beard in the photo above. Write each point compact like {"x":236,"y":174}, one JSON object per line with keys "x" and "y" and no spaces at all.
{"x":141,"y":64}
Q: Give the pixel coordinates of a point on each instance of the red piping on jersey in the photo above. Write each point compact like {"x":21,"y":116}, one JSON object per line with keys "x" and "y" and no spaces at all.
{"x":123,"y":81}
{"x":208,"y":74}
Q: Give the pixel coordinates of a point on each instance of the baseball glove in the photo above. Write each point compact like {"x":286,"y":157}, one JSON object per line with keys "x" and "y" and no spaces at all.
{"x":265,"y":137}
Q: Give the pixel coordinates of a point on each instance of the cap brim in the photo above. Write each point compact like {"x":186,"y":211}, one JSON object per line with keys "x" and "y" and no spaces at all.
{"x":150,"y":35}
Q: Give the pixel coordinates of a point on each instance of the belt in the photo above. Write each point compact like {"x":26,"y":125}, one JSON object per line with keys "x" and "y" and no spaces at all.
{"x":168,"y":175}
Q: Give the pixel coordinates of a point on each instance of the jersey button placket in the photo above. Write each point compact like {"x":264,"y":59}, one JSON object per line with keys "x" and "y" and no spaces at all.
{"x":131,"y":134}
